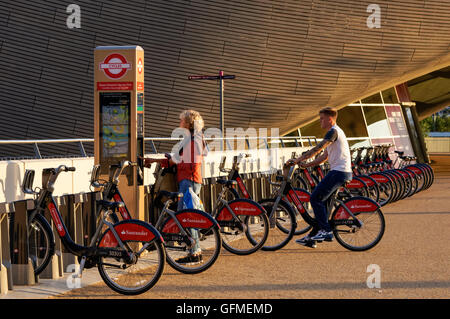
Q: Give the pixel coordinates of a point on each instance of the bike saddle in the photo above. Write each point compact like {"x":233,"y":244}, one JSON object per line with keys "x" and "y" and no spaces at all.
{"x":226,"y":182}
{"x":171,"y":195}
{"x":399,"y":152}
{"x":110,"y":205}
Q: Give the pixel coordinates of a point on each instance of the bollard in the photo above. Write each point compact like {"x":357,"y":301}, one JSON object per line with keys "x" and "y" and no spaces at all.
{"x":265,"y":186}
{"x":151,"y":210}
{"x":205,"y":195}
{"x":78,"y":214}
{"x":148,"y":204}
{"x":22,"y":267}
{"x":5,"y":255}
{"x":214,"y":191}
{"x":66,"y":207}
{"x":89,"y":215}
{"x":54,"y":269}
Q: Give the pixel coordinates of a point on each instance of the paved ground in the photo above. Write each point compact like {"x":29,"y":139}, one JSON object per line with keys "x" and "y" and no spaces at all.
{"x":413,"y":259}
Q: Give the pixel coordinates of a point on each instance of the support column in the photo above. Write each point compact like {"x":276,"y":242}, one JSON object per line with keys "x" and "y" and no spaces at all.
{"x":412,"y":123}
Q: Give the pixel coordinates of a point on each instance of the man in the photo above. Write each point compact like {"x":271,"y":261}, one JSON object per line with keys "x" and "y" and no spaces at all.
{"x":337,"y":152}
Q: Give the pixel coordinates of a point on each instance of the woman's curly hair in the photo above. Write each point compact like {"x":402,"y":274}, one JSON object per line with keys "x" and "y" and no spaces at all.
{"x":193,"y":119}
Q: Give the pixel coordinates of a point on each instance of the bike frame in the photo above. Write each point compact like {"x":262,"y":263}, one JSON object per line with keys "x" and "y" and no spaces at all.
{"x":111,"y":192}
{"x":286,"y":190}
{"x":45,"y":200}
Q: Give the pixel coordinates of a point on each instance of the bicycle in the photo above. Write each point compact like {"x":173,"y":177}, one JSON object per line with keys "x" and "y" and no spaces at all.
{"x":395,"y":181}
{"x":244,"y":222}
{"x":129,"y":255}
{"x":174,"y":227}
{"x":351,"y":218}
{"x":282,"y":224}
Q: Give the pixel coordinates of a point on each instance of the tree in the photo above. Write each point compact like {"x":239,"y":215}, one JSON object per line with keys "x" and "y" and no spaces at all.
{"x":436,"y":123}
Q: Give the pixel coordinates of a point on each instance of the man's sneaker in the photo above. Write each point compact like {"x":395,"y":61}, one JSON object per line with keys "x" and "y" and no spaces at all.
{"x":307,"y":242}
{"x":323,"y":235}
{"x":190,"y":259}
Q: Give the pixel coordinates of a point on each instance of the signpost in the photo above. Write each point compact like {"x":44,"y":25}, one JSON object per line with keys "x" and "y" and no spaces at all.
{"x":221,"y":77}
{"x":119,"y":118}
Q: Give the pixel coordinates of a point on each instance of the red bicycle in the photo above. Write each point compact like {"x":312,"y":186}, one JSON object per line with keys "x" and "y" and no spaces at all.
{"x":129,"y":255}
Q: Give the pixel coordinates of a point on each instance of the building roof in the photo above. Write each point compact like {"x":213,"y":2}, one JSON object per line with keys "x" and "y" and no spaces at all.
{"x":290,"y":59}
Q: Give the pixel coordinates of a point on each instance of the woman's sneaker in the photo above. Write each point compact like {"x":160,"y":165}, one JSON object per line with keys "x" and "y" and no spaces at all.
{"x":307,"y":242}
{"x":323,"y":235}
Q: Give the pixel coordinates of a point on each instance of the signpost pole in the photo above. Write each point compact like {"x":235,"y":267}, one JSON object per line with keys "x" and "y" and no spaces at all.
{"x":222,"y":128}
{"x":221,"y":77}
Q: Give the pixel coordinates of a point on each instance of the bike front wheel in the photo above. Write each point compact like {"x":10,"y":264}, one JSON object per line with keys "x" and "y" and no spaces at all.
{"x":138,"y":276}
{"x":244,"y":226}
{"x":245,"y":235}
{"x":282,"y":222}
{"x":41,"y":243}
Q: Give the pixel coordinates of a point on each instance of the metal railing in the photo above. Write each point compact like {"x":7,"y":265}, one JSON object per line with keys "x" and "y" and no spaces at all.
{"x":265,"y":141}
{"x":37,"y":151}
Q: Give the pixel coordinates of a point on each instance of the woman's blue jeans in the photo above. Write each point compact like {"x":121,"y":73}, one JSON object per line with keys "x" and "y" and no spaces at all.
{"x":183,"y":186}
{"x":327,"y":186}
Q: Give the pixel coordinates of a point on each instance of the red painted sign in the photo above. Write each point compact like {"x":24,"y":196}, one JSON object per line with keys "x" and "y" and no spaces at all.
{"x":239,"y":208}
{"x":242,"y":187}
{"x":188,"y":220}
{"x":127,"y":232}
{"x":355,"y":206}
{"x":56,"y":219}
{"x":123,"y":211}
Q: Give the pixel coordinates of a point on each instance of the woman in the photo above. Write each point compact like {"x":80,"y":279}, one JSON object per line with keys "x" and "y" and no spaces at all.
{"x":188,"y":159}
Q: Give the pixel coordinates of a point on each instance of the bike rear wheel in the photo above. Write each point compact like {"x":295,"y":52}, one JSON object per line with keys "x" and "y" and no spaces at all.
{"x":209,"y":241}
{"x":136,"y":277}
{"x":386,"y":188}
{"x":247,"y":240}
{"x":355,"y":237}
{"x":372,"y":185}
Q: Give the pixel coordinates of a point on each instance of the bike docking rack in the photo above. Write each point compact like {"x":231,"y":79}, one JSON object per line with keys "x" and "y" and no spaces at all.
{"x":78,"y":210}
{"x":17,"y":268}
{"x":5,"y":256}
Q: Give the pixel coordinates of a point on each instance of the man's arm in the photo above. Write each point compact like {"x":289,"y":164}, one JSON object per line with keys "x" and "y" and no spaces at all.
{"x":319,"y":160}
{"x":313,"y":152}
{"x":329,"y":138}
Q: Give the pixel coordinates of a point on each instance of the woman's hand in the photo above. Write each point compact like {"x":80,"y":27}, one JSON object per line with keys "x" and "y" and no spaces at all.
{"x":291,"y":162}
{"x":148,"y":161}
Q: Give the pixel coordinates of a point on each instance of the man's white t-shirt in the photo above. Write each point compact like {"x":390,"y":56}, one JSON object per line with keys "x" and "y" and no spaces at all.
{"x":338,"y":151}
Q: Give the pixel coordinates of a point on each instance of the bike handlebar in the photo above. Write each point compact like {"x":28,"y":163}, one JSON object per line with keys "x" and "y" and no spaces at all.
{"x":55,"y":173}
{"x":119,"y":169}
{"x":114,"y":177}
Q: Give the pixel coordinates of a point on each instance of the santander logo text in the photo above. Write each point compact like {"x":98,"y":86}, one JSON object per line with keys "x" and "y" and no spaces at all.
{"x":134,"y":233}
{"x":199,"y":221}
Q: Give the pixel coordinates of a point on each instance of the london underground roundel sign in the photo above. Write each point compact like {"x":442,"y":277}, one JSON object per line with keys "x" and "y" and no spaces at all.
{"x":115,"y":66}
{"x":140,"y":66}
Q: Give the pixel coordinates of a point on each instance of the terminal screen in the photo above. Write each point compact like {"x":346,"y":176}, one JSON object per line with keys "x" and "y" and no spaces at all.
{"x":115,"y":125}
